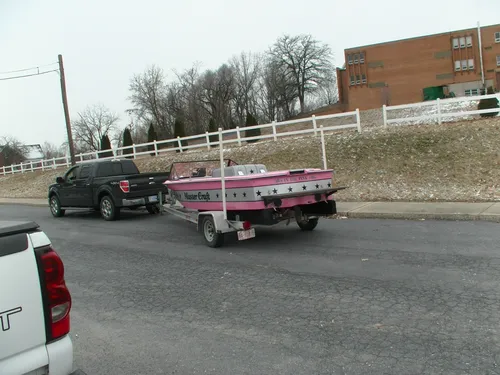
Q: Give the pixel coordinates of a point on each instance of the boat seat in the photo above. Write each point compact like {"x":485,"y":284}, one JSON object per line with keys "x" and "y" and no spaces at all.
{"x":241,"y":170}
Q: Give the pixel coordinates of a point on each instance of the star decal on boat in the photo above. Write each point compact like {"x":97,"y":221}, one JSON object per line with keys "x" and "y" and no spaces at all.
{"x":217,"y":195}
{"x":251,"y":170}
{"x":234,"y":195}
{"x":329,"y":184}
{"x":317,"y":186}
{"x":258,"y":193}
{"x":275,"y":191}
{"x":244,"y":195}
{"x":290,"y":189}
{"x":304,"y":187}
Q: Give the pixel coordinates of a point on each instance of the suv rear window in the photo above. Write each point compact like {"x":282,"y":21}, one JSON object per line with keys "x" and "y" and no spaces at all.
{"x":116,"y":168}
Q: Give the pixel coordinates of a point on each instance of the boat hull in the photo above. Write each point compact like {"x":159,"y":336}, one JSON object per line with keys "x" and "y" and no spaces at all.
{"x":254,"y":192}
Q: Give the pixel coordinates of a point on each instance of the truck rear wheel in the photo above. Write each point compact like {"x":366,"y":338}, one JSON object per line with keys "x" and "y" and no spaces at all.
{"x":109,"y":211}
{"x":153,"y":209}
{"x":212,"y":238}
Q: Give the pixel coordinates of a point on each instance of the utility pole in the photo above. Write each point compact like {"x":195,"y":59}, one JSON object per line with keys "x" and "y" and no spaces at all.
{"x":66,"y":110}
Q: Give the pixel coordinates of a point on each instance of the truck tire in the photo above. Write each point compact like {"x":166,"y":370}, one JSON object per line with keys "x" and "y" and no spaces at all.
{"x":109,"y":211}
{"x":153,"y":209}
{"x":308,"y":225}
{"x":212,"y":238}
{"x":55,"y":206}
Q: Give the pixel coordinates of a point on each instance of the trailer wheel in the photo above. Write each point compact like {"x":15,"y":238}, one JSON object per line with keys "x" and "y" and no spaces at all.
{"x":212,"y":238}
{"x":308,"y":225}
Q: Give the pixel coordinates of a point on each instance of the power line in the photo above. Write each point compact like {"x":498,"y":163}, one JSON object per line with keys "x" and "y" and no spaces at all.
{"x":29,"y":75}
{"x":25,"y":70}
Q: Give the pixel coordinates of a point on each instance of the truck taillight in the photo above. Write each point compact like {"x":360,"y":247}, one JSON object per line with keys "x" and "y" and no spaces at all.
{"x":124,"y":185}
{"x":58,"y":297}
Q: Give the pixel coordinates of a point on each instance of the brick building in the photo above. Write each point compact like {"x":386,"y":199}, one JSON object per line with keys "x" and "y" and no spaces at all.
{"x":422,"y":68}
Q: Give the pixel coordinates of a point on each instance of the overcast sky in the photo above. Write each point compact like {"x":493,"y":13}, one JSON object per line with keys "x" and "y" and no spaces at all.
{"x":105,"y":42}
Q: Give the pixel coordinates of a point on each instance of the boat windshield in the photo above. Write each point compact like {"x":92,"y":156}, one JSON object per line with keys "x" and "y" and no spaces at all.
{"x":196,"y":168}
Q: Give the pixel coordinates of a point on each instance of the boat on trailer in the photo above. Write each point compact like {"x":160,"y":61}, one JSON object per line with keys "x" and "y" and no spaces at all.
{"x":221,"y":196}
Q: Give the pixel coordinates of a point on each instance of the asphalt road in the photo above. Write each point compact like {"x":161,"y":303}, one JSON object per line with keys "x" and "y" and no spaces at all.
{"x":352,"y":297}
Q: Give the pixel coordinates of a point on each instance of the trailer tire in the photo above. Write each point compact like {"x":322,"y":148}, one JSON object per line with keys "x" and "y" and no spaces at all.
{"x":212,"y":238}
{"x":308,"y":225}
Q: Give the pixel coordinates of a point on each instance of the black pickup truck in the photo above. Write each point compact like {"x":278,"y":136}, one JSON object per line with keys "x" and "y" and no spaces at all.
{"x":107,"y":186}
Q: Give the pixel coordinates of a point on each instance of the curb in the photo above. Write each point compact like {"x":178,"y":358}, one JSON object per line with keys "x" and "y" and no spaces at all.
{"x":420,"y":216}
{"x":31,"y":204}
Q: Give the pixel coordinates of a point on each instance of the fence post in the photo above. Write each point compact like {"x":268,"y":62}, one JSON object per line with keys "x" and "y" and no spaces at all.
{"x":314,"y":124}
{"x":133,"y":150}
{"x":67,"y":161}
{"x":53,"y":163}
{"x":179,"y":142}
{"x":358,"y":120}
{"x":156,"y":148}
{"x":323,"y":148}
{"x":384,"y":114}
{"x":31,"y":165}
{"x":12,"y":168}
{"x":3,"y":169}
{"x":97,"y":154}
{"x":114,"y":151}
{"x":274,"y":131}
{"x":238,"y":135}
{"x":81,"y":158}
{"x":22,"y":169}
{"x":439,"y":110}
{"x":208,"y":140}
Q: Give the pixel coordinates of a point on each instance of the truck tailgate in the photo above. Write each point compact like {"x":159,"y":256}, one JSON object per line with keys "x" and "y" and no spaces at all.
{"x":22,"y":321}
{"x":146,"y":184}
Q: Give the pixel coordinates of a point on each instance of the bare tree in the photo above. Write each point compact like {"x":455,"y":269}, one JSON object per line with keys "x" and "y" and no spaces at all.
{"x":149,"y":97}
{"x":94,"y":122}
{"x":304,"y":60}
{"x":217,"y":91}
{"x":50,"y":150}
{"x":13,"y":150}
{"x":246,"y":69}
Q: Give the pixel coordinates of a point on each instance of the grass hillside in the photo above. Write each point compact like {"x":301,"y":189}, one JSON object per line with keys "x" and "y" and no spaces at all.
{"x":448,"y":162}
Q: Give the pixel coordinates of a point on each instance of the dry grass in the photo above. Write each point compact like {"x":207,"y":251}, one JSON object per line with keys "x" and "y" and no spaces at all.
{"x":450,"y":162}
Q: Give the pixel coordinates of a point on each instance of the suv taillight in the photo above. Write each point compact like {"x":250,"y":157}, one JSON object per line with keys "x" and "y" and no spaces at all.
{"x":57,"y":299}
{"x":124,"y":185}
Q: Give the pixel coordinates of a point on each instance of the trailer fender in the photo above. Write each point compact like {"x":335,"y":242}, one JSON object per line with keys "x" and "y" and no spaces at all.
{"x":221,"y":225}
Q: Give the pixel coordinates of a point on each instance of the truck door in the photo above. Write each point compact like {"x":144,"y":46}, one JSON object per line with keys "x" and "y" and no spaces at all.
{"x":83,"y":189}
{"x":67,"y":190}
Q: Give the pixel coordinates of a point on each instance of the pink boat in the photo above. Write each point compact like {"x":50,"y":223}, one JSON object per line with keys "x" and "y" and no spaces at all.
{"x":253,"y":194}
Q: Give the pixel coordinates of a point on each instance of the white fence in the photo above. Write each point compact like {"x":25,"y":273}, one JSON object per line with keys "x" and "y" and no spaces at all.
{"x":172,"y":145}
{"x":440,"y":110}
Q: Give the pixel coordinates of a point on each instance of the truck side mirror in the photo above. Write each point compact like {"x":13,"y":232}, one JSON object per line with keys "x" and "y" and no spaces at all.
{"x":59,"y":180}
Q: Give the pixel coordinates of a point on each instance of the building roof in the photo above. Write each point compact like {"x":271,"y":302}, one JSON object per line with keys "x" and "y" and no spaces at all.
{"x":34,"y":152}
{"x":419,"y":37}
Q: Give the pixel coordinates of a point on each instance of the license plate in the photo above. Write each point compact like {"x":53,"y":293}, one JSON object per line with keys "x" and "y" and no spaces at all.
{"x":153,"y":198}
{"x":246,"y":234}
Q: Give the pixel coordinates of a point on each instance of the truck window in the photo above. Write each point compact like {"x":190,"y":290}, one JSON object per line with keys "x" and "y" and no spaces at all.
{"x":116,"y":168}
{"x":85,"y":172}
{"x":72,"y":174}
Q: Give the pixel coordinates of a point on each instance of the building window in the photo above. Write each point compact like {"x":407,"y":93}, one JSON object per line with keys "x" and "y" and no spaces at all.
{"x":497,"y":37}
{"x":349,"y":59}
{"x":471,"y":64}
{"x":464,"y":64}
{"x":353,"y":82}
{"x":498,"y":60}
{"x":457,"y":65}
{"x":361,"y":57}
{"x":358,"y":80}
{"x":468,"y":40}
{"x":363,"y":78}
{"x":356,"y":58}
{"x":455,"y":43}
{"x":471,"y":92}
{"x":462,"y":42}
